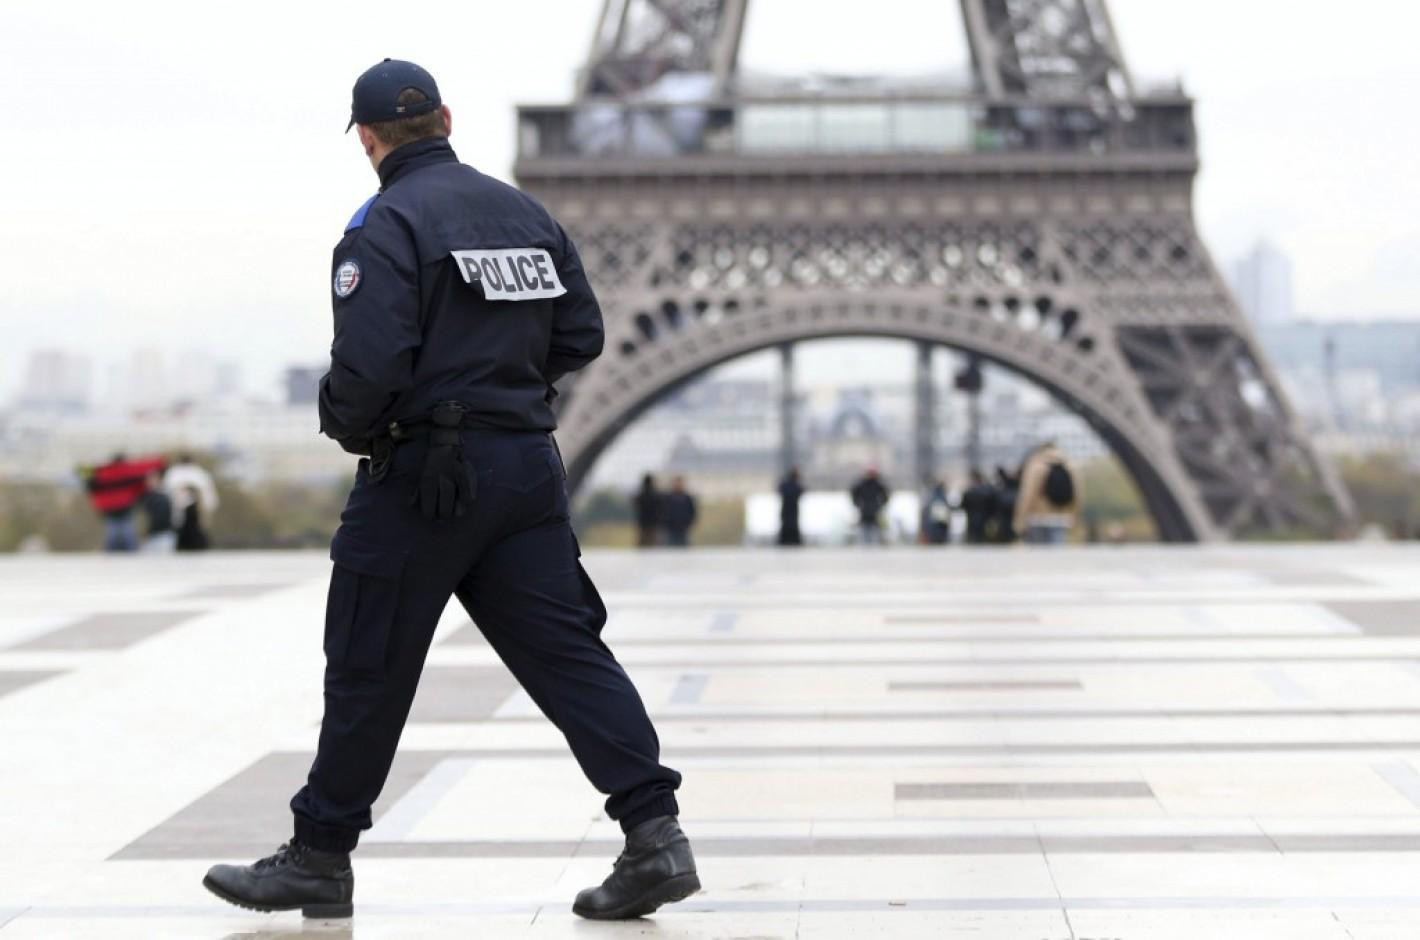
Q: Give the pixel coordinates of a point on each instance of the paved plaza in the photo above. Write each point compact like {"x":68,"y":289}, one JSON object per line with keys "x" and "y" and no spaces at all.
{"x":1141,"y":744}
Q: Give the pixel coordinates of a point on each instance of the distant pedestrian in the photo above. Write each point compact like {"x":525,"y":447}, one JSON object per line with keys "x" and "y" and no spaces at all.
{"x":791,"y":490}
{"x":1004,"y":518}
{"x":186,"y":472}
{"x":647,"y":506}
{"x":191,"y":536}
{"x":870,"y":498}
{"x":1049,"y":497}
{"x":114,"y":491}
{"x":157,"y":506}
{"x":937,"y":515}
{"x":678,"y":512}
{"x":978,"y":503}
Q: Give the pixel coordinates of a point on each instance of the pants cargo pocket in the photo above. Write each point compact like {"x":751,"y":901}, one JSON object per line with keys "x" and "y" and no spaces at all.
{"x":363,"y":600}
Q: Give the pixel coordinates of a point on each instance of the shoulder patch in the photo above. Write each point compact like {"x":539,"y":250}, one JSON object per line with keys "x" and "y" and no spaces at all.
{"x":347,"y":278}
{"x":358,"y":219}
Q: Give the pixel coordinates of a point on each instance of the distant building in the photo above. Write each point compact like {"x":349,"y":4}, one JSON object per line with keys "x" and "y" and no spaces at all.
{"x":303,"y":385}
{"x":1350,"y":375}
{"x":1262,"y":281}
{"x":56,"y":381}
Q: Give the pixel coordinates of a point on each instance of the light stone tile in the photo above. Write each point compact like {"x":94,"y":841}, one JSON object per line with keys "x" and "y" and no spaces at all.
{"x":894,"y":923}
{"x":509,"y":800}
{"x":1204,"y":876}
{"x":968,"y":877}
{"x":1231,"y":924}
{"x":1246,"y":788}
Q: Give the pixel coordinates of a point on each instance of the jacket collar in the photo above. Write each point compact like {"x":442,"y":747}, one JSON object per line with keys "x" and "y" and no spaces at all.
{"x":404,"y":160}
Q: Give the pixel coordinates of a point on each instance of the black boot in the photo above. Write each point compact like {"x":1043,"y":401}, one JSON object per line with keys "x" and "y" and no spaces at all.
{"x":320,"y":883}
{"x":655,"y":868}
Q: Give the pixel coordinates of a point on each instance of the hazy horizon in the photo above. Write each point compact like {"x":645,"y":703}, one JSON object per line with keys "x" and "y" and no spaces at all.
{"x":182,"y":176}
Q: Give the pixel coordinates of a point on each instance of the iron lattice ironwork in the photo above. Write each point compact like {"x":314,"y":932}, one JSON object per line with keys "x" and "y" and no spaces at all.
{"x":1041,"y":220}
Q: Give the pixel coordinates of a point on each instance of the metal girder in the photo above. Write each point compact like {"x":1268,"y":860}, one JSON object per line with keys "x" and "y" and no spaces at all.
{"x":638,"y":42}
{"x":1045,"y":49}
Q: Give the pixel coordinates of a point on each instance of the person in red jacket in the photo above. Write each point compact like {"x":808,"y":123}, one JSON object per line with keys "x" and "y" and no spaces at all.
{"x":114,"y":491}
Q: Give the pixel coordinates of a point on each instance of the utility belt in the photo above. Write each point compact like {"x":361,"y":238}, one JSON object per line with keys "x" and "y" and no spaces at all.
{"x":447,"y":484}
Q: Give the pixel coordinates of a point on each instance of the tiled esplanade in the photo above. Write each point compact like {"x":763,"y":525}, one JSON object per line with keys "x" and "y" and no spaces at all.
{"x":1140,"y":743}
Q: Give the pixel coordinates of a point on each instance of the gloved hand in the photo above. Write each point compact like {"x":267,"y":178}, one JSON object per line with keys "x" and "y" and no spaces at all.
{"x":447,"y":485}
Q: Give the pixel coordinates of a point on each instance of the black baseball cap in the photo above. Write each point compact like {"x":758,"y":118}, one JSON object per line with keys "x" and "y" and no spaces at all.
{"x":376,"y":94}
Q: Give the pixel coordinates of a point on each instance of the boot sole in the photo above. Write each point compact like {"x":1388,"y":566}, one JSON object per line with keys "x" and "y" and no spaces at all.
{"x":669,"y":891}
{"x":314,"y":911}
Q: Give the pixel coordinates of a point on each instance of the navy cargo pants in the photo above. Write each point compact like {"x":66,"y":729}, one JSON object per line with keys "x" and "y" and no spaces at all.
{"x":512,"y":561}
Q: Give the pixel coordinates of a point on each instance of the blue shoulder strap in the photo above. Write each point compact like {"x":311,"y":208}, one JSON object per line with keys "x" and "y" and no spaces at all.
{"x":358,"y":219}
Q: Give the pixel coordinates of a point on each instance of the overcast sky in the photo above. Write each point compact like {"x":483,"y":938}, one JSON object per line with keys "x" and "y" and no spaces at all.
{"x":175,"y":173}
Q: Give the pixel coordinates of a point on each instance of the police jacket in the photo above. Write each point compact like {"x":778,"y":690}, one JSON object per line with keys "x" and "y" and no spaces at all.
{"x":452,"y":286}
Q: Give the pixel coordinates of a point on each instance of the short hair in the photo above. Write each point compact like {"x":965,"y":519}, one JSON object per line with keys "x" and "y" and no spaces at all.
{"x":406,"y":130}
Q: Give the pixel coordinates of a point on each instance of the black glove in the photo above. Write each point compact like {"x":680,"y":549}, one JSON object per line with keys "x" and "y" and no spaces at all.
{"x":447,"y":486}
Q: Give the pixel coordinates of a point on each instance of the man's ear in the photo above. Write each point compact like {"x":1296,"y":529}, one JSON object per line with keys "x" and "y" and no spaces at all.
{"x":367,"y":139}
{"x":448,"y":119}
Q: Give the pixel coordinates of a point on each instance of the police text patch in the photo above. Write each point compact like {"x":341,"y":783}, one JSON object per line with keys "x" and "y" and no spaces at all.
{"x":511,"y":273}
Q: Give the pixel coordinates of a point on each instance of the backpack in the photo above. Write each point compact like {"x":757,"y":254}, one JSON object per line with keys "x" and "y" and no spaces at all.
{"x":1059,"y":486}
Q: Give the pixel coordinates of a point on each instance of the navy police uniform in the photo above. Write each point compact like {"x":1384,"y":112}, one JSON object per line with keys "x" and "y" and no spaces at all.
{"x":458,"y":302}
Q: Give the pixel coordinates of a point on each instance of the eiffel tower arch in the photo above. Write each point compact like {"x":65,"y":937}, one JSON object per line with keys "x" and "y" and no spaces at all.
{"x":1041,"y":219}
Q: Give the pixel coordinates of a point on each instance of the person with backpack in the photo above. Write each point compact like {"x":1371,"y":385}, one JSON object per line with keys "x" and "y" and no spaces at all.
{"x":937,"y":515}
{"x":1049,"y":497}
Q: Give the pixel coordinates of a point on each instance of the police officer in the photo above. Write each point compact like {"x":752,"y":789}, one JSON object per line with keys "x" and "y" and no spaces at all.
{"x":458,"y":302}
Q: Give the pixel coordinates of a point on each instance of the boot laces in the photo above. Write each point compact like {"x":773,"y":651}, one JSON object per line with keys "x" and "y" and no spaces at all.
{"x":288,"y":854}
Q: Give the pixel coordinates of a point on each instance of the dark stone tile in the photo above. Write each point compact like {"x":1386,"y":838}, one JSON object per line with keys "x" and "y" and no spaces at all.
{"x":108,"y":631}
{"x":985,"y":685}
{"x":968,"y":660}
{"x":13,"y":681}
{"x":1034,"y":790}
{"x":1380,"y":618}
{"x":689,"y":688}
{"x":939,"y":619}
{"x":1305,"y":577}
{"x":839,"y":847}
{"x":247,"y":816}
{"x":997,"y":714}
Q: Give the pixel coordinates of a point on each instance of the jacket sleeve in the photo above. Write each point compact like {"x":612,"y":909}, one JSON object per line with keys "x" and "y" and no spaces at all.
{"x":377,"y":330}
{"x":577,"y":333}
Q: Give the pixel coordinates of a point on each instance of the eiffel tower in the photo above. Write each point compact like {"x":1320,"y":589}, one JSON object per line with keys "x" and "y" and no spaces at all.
{"x":1040,"y":219}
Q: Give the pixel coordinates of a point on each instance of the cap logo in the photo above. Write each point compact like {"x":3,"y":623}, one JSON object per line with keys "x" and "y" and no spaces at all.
{"x":347,"y":278}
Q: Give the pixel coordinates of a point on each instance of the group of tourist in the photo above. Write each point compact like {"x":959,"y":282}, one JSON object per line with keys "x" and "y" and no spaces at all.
{"x":663,"y":518}
{"x":1038,"y":503}
{"x":175,"y":499}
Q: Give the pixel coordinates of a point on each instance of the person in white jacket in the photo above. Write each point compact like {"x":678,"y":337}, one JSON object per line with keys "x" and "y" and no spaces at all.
{"x":185,"y":477}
